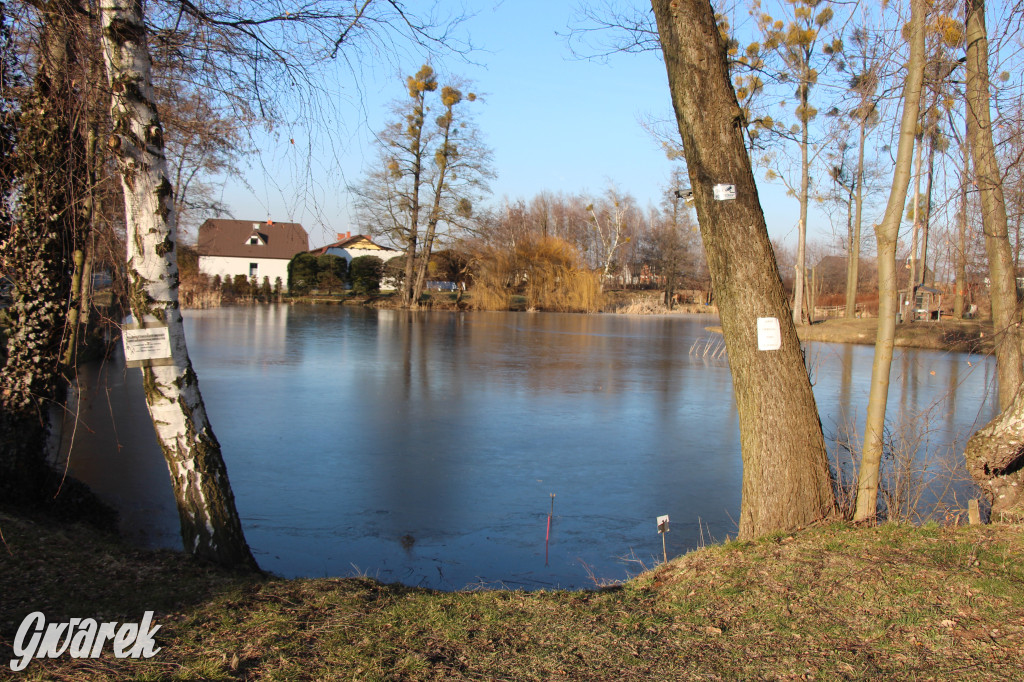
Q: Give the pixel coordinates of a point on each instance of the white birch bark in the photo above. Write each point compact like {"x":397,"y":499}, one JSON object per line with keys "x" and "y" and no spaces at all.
{"x":210,"y":526}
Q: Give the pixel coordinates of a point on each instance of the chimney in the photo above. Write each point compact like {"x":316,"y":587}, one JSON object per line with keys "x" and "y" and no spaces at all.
{"x":348,"y":234}
{"x":340,"y":236}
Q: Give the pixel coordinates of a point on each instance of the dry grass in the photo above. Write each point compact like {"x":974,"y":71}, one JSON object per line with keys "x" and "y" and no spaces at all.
{"x":832,"y":602}
{"x":963,"y":336}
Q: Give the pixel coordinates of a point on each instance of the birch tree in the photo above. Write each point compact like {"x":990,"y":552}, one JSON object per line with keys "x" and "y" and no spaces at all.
{"x":786,"y":480}
{"x":610,"y":223}
{"x":886,"y":235}
{"x":210,"y":525}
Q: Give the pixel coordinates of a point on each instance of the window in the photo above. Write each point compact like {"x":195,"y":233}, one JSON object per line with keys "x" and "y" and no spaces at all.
{"x":254,"y":240}
{"x":253,"y":268}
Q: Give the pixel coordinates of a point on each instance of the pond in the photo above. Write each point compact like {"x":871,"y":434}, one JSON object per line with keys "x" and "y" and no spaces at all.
{"x":429,"y":448}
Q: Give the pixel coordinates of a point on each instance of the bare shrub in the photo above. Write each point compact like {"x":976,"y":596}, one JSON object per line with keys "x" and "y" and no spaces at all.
{"x":921,"y":480}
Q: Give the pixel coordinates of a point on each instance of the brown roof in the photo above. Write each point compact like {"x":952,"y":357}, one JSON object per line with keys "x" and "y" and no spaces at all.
{"x":219,"y":237}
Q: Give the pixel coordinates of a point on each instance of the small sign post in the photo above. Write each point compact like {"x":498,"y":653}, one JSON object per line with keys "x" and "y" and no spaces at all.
{"x":662,"y":529}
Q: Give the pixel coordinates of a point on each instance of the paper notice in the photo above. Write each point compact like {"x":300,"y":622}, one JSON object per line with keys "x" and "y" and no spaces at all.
{"x":769,"y":335}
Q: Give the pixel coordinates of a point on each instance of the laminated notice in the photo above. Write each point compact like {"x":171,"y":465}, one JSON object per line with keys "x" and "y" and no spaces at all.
{"x":146,"y":347}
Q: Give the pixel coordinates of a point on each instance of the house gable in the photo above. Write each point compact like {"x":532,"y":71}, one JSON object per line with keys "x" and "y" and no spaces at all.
{"x":252,"y":240}
{"x":350,"y":246}
{"x":229,"y":248}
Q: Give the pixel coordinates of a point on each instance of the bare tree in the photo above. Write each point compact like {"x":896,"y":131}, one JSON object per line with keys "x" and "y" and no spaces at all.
{"x":610,"y":221}
{"x":995,"y":455}
{"x":886,"y":235}
{"x":427,"y":175}
{"x":210,"y":526}
{"x":786,"y":479}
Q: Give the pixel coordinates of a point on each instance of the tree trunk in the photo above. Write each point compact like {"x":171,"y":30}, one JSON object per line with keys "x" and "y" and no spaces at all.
{"x":912,"y":278}
{"x":961,"y":240}
{"x":927,"y":221}
{"x":786,"y":480}
{"x":995,"y":458}
{"x":886,"y":235}
{"x":805,"y":189}
{"x":210,"y":526}
{"x":853,"y":256}
{"x":435,"y":211}
{"x":1003,"y":287}
{"x":995,"y":454}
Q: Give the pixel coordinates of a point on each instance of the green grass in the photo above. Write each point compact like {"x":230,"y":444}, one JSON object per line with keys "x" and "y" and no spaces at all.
{"x":832,"y":602}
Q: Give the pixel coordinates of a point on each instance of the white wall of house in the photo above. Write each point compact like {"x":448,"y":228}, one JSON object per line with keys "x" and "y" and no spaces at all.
{"x":229,"y":266}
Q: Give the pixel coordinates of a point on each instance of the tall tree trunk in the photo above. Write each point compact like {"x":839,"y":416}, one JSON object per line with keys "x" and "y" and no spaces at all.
{"x":435,"y":209}
{"x":995,"y":454}
{"x":853,"y":257}
{"x":926,"y":222}
{"x":210,"y":526}
{"x":786,"y":480}
{"x":912,"y":277}
{"x":961,"y":238}
{"x":886,"y":235}
{"x":1003,"y":287}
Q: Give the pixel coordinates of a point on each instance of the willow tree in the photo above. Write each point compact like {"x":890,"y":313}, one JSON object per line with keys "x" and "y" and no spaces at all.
{"x":995,"y":455}
{"x":210,"y":526}
{"x":786,"y":480}
{"x":886,"y":234}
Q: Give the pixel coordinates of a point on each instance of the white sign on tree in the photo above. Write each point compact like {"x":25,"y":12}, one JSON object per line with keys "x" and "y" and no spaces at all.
{"x":769,"y":335}
{"x":146,"y":347}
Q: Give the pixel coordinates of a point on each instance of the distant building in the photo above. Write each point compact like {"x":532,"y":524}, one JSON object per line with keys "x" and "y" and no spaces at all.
{"x":351,"y":246}
{"x":243,"y":247}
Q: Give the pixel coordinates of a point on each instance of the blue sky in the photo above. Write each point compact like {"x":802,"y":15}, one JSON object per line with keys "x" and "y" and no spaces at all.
{"x":554,"y":122}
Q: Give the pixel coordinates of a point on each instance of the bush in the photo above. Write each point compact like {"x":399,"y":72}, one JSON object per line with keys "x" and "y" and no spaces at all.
{"x":366,"y":273}
{"x":302,"y":272}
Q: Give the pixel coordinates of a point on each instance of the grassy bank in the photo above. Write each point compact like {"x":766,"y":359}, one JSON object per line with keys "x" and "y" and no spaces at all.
{"x":832,"y":602}
{"x":965,"y":336}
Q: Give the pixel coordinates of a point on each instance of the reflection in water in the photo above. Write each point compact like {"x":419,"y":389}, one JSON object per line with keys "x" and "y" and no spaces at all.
{"x":423,"y":447}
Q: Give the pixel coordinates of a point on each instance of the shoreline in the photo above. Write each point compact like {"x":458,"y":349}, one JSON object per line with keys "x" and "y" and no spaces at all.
{"x":833,"y":601}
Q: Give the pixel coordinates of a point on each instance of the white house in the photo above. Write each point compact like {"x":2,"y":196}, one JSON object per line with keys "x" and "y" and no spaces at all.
{"x":242,"y":247}
{"x":351,"y":246}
